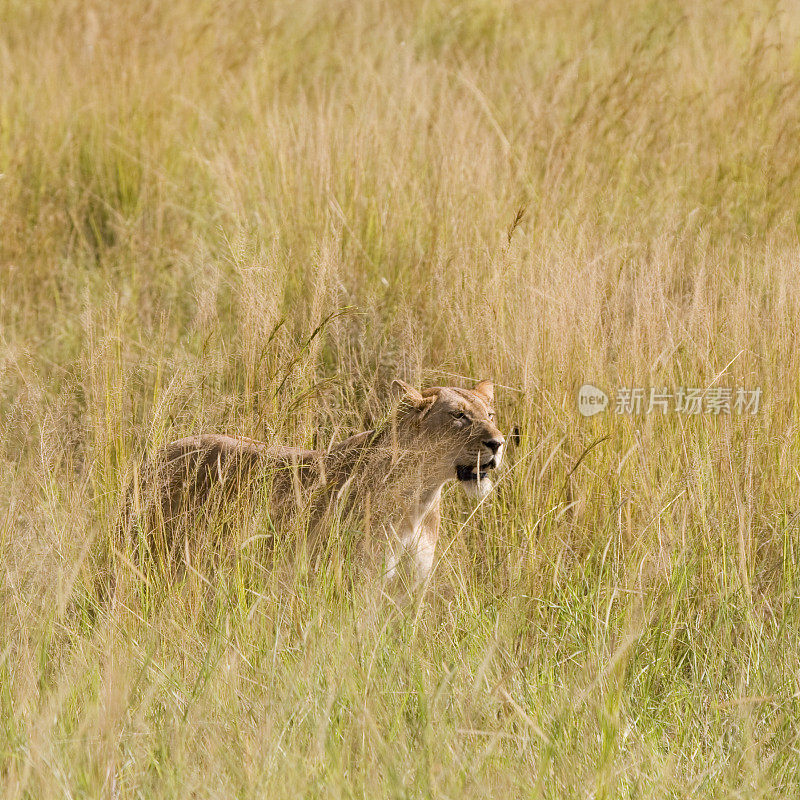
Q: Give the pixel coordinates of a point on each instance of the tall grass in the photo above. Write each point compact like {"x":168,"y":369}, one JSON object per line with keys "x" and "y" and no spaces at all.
{"x":250,"y":217}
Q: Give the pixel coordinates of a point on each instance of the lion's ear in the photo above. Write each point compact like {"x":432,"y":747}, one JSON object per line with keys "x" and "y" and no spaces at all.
{"x":402,"y":391}
{"x":485,"y":389}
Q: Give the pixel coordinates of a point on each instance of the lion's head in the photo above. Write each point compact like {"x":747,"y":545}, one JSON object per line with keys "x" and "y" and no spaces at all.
{"x":456,"y":427}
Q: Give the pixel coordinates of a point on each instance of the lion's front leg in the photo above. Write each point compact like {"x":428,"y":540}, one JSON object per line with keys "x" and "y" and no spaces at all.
{"x":399,"y":542}
{"x":423,"y":557}
{"x":427,"y":536}
{"x":419,"y":543}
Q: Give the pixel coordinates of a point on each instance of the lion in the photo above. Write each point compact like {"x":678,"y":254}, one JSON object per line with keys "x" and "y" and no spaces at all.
{"x":391,"y":478}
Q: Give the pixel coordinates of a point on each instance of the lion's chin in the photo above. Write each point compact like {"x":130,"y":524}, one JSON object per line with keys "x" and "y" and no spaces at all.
{"x":478,"y":487}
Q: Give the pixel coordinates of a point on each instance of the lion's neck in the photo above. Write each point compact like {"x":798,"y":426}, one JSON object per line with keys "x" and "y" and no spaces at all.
{"x":391,"y":464}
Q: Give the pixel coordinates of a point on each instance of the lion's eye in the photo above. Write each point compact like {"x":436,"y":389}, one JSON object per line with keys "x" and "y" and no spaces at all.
{"x":491,"y":415}
{"x":458,"y":415}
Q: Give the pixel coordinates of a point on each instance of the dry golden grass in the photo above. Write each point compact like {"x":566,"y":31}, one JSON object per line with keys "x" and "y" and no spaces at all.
{"x":250,"y":217}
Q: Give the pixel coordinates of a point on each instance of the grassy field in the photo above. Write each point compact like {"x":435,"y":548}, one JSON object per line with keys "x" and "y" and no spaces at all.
{"x":249,"y":218}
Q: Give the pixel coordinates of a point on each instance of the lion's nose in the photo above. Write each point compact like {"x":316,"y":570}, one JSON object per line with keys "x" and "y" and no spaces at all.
{"x":494,"y":444}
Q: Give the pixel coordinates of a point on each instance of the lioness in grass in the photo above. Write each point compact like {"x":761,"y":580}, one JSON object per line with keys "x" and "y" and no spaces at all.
{"x":390,"y":478}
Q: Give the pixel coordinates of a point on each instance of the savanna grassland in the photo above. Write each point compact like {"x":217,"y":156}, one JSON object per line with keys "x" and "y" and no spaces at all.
{"x":250,"y":217}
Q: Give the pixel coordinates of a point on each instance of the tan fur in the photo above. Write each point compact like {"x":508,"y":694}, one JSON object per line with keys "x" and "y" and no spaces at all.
{"x":394,"y":474}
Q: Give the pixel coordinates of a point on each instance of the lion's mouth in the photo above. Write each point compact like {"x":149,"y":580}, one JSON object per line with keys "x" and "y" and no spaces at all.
{"x":468,"y":473}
